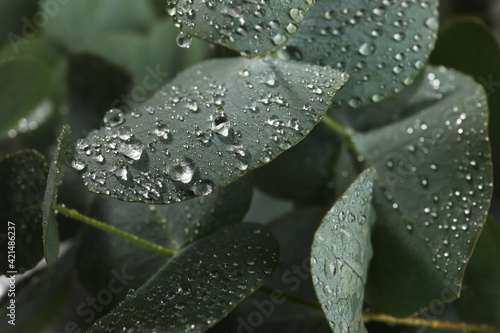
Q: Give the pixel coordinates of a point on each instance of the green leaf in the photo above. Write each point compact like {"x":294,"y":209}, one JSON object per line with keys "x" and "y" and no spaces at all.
{"x":40,"y":298}
{"x":93,"y":17}
{"x":200,"y":285}
{"x":22,"y":187}
{"x":208,"y":127}
{"x":152,"y":58}
{"x":28,"y":76}
{"x":435,"y":187}
{"x":54,"y":179}
{"x":289,"y":303}
{"x":38,"y":48}
{"x":480,"y":299}
{"x":16,"y":21}
{"x":340,"y":254}
{"x":248,"y":27}
{"x":299,"y":171}
{"x":457,"y":47}
{"x":173,"y":225}
{"x":382,"y":46}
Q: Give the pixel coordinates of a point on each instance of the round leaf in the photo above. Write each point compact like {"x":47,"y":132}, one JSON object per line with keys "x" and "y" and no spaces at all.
{"x":208,"y":127}
{"x":381,"y":44}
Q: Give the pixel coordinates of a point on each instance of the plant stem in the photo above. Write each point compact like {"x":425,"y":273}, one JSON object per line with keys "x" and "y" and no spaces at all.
{"x":338,"y":127}
{"x":421,"y":322}
{"x":112,"y":230}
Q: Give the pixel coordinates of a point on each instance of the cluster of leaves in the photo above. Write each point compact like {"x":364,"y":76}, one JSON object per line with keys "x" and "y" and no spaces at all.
{"x":330,"y":106}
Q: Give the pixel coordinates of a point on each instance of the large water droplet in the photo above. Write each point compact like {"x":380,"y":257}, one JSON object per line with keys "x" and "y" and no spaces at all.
{"x":113,"y":117}
{"x":184,"y":40}
{"x":182,"y":170}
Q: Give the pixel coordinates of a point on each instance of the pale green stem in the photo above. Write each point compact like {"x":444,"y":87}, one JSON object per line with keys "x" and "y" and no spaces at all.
{"x":431,"y":323}
{"x":112,"y":230}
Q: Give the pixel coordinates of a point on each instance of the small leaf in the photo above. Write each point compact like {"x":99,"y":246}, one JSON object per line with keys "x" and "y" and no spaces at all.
{"x":382,"y":45}
{"x":208,"y":127}
{"x":94,"y":17}
{"x":248,"y":27}
{"x":480,"y":299}
{"x":172,"y":226}
{"x":340,"y":254}
{"x":54,"y":178}
{"x":457,"y":47}
{"x":28,"y":76}
{"x":200,"y":285}
{"x":435,"y":187}
{"x":22,"y":186}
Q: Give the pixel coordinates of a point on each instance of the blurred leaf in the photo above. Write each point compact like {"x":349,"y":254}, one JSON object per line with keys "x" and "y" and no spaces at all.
{"x":54,"y":178}
{"x":382,"y":45}
{"x":227,"y":114}
{"x":340,"y":255}
{"x":94,"y":86}
{"x":469,"y":46}
{"x":248,"y":27}
{"x":40,"y":297}
{"x":94,"y":17}
{"x":300,"y":170}
{"x":37,"y":48}
{"x":200,"y":285}
{"x":480,"y":299}
{"x":22,"y":187}
{"x":172,"y":225}
{"x":150,"y":58}
{"x":281,"y":310}
{"x":434,"y":191}
{"x":16,"y":21}
{"x":24,"y":85}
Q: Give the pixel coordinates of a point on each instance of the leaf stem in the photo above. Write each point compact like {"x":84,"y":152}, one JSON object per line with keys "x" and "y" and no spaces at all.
{"x":338,"y":127}
{"x":294,"y":299}
{"x":112,"y":230}
{"x":422,"y":322}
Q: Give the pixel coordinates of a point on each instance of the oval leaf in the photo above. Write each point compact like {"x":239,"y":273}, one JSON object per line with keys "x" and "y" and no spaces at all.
{"x":248,"y":27}
{"x":54,"y":179}
{"x":340,"y":254}
{"x":209,"y":126}
{"x":381,"y":44}
{"x":200,"y":285}
{"x":435,"y":173}
{"x":30,"y":77}
{"x":22,"y":186}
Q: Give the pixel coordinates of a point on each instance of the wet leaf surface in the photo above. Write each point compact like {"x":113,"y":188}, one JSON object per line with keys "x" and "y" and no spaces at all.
{"x":381,"y":44}
{"x":340,"y":255}
{"x":248,"y":27}
{"x":208,"y":127}
{"x":200,"y":285}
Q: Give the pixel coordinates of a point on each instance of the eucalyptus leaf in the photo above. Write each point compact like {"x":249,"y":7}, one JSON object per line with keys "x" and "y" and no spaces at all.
{"x":93,"y":17}
{"x":200,"y":285}
{"x":457,"y":47}
{"x":248,"y":27}
{"x":54,"y":178}
{"x":381,"y":44}
{"x":15,"y":22}
{"x":208,"y":127}
{"x":22,"y":186}
{"x":435,"y":187}
{"x":340,"y":254}
{"x":480,"y":300}
{"x":172,"y":226}
{"x":31,"y":77}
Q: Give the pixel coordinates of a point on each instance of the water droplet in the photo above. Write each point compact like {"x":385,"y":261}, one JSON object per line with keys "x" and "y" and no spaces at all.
{"x":113,"y":117}
{"x":125,"y":133}
{"x":203,"y":187}
{"x":366,"y":49}
{"x":221,"y":125}
{"x":184,"y":40}
{"x":182,"y":170}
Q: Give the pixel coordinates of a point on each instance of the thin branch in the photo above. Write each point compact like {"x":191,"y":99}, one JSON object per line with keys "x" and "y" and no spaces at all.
{"x":422,"y":322}
{"x":112,"y":230}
